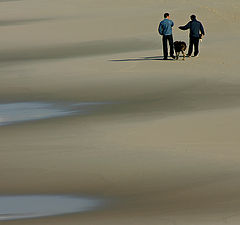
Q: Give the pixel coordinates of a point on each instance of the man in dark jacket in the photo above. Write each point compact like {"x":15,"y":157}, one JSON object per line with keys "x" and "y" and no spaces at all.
{"x":165,"y":29}
{"x":196,"y":33}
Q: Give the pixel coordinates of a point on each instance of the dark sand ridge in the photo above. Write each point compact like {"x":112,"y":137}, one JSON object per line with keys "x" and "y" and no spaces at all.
{"x":23,"y":21}
{"x":9,"y":0}
{"x":82,"y":49}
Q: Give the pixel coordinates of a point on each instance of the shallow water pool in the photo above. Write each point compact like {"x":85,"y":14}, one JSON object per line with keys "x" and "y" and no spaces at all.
{"x":35,"y":206}
{"x":28,"y":111}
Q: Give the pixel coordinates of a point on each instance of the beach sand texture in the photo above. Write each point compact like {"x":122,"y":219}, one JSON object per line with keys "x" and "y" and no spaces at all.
{"x":165,"y":147}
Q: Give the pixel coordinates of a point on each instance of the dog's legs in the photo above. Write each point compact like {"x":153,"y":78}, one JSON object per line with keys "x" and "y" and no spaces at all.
{"x":183,"y":55}
{"x":177,"y":55}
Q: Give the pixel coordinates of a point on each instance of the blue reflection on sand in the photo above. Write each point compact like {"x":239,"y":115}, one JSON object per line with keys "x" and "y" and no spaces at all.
{"x":34,"y":206}
{"x":26,"y":111}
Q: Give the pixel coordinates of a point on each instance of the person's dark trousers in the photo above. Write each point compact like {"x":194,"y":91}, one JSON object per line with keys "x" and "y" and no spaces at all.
{"x":168,"y":38}
{"x":194,"y":41}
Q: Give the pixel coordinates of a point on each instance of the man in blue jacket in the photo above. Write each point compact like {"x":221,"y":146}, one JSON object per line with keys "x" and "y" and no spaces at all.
{"x":196,"y":33}
{"x":165,"y":29}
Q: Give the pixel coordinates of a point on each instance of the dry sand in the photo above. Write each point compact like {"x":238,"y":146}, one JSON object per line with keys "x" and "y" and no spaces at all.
{"x":167,"y":152}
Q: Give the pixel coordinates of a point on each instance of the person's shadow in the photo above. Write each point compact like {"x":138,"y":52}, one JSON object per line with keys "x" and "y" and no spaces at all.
{"x":141,"y":59}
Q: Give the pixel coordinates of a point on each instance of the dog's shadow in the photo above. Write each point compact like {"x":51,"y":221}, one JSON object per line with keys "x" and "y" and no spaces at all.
{"x":153,"y":58}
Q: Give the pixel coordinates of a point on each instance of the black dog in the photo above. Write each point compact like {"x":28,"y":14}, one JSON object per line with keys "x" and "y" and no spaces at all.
{"x":180,"y":46}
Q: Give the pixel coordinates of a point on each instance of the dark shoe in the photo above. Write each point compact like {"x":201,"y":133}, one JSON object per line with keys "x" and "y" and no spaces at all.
{"x":165,"y":58}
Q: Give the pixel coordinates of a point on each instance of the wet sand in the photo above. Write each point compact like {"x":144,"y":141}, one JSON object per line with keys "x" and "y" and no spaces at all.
{"x":166,"y":151}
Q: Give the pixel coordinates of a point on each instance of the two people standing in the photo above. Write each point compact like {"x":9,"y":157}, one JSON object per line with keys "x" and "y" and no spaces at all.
{"x":196,"y":33}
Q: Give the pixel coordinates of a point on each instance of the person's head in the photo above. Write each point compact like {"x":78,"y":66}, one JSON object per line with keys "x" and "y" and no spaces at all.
{"x":166,"y":15}
{"x":193,"y":17}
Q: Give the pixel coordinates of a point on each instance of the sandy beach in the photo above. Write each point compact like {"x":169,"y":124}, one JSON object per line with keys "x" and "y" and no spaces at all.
{"x":162,"y":142}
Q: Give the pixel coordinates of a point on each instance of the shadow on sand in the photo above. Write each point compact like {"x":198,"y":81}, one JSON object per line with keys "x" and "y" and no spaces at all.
{"x":141,"y":59}
{"x":9,"y":0}
{"x":22,"y":21}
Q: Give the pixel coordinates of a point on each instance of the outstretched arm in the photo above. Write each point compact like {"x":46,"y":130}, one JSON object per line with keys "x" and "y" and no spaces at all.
{"x":186,"y":27}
